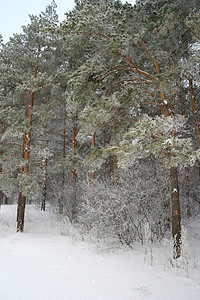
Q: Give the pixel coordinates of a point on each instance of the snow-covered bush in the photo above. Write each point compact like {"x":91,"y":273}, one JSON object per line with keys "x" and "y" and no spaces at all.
{"x":120,"y":213}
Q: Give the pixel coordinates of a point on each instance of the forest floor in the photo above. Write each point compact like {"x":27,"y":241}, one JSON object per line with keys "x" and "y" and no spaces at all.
{"x":49,"y":262}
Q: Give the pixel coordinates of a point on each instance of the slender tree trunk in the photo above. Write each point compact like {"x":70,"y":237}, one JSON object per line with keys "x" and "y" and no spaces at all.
{"x":187,"y":172}
{"x":92,"y":173}
{"x":6,"y":199}
{"x":195,"y":115}
{"x":1,"y":193}
{"x":21,"y":212}
{"x":0,"y":190}
{"x":44,"y":185}
{"x":44,"y":169}
{"x":74,"y":133}
{"x":92,"y":153}
{"x":26,"y":153}
{"x":61,"y":199}
{"x":110,"y":168}
{"x":114,"y":159}
{"x":44,"y":193}
{"x":104,"y":144}
{"x":176,"y":224}
{"x":194,"y":111}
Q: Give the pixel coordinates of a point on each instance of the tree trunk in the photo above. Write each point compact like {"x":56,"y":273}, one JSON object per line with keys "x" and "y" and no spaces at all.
{"x":92,"y":153}
{"x":194,"y":111}
{"x":187,"y":178}
{"x":195,"y":115}
{"x":74,"y":133}
{"x":61,"y":199}
{"x":44,"y":186}
{"x":0,"y":190}
{"x":44,"y":167}
{"x":114,"y":159}
{"x":1,"y":193}
{"x":21,"y":212}
{"x":26,"y":153}
{"x":6,"y":199}
{"x":176,"y":217}
{"x":44,"y":192}
{"x":104,"y":144}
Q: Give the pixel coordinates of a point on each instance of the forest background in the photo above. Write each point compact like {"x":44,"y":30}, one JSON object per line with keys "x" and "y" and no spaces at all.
{"x":99,"y":117}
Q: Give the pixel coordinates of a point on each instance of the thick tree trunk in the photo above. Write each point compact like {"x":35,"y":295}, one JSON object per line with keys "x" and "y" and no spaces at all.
{"x":21,"y":212}
{"x":176,"y":217}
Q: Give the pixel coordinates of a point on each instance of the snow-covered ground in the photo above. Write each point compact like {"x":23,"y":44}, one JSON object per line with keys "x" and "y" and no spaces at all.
{"x":42,"y":264}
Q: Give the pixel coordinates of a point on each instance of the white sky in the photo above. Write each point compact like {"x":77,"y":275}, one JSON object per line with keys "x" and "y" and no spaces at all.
{"x":14,"y":13}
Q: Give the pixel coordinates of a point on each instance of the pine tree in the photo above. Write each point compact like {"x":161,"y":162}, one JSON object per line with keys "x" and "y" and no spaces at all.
{"x":28,"y":64}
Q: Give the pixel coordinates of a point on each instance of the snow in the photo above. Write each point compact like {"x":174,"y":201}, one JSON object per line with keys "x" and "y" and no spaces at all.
{"x":42,"y":264}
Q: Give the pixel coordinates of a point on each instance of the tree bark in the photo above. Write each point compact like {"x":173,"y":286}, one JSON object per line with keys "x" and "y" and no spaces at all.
{"x":175,"y":205}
